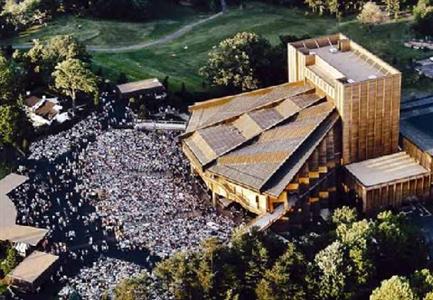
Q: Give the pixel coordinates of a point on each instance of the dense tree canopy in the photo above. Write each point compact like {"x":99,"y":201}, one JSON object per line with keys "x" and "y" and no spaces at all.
{"x":14,"y":125}
{"x":23,"y":13}
{"x":395,"y":288}
{"x":371,"y":14}
{"x":43,"y":57}
{"x":257,"y":266}
{"x":72,"y":76}
{"x":238,"y":62}
{"x":423,"y":13}
{"x":9,"y":81}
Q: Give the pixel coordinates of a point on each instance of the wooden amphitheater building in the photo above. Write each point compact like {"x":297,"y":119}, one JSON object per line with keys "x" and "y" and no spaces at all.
{"x":295,"y":148}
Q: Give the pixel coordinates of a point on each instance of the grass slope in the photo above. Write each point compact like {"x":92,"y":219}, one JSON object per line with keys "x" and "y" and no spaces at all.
{"x":182,"y":64}
{"x":112,"y":33}
{"x":182,"y":58}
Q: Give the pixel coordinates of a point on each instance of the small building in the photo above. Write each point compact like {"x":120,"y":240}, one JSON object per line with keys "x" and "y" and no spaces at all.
{"x":149,"y":88}
{"x":23,"y":238}
{"x":33,"y":271}
{"x":44,"y":111}
{"x":388,"y":180}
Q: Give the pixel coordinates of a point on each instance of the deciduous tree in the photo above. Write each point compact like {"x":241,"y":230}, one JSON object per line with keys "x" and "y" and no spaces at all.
{"x":72,"y":76}
{"x":238,"y":62}
{"x":395,"y":288}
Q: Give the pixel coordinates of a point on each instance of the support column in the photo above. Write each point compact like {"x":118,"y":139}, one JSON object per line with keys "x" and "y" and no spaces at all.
{"x":214,"y":199}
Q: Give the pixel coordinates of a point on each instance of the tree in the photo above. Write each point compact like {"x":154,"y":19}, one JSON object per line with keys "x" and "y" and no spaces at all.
{"x":423,"y":13}
{"x":238,"y":62}
{"x":45,"y":56}
{"x":178,"y":275}
{"x":285,"y":280}
{"x":422,"y":283}
{"x":371,"y":14}
{"x":395,"y":288}
{"x":10,"y":262}
{"x":9,"y":81}
{"x":400,"y":245}
{"x":358,"y":240}
{"x":133,"y":288}
{"x":13,"y":125}
{"x":22,"y":13}
{"x":72,"y":76}
{"x":393,"y":7}
{"x":344,"y":215}
{"x":334,"y":271}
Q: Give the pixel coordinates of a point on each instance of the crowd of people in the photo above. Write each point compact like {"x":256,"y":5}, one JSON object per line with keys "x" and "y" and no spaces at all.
{"x":100,"y":190}
{"x":148,"y":195}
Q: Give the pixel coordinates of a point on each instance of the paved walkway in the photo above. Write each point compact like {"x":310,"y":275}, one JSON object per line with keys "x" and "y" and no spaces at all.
{"x":165,"y":39}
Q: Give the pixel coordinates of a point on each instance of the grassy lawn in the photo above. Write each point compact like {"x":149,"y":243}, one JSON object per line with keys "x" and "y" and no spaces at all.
{"x":105,"y":33}
{"x":182,"y":65}
{"x":182,"y":58}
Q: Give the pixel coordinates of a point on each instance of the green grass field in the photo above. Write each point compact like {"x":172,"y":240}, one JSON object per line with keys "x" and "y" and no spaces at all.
{"x":181,"y":59}
{"x":106,"y":33}
{"x":182,"y":64}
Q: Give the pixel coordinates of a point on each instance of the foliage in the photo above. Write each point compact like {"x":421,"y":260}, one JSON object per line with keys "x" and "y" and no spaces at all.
{"x":10,"y":260}
{"x":371,"y":14}
{"x":72,"y":76}
{"x":335,"y":7}
{"x":344,"y":215}
{"x":358,"y":239}
{"x":422,"y":282}
{"x":22,"y":13}
{"x":14,"y":125}
{"x":122,"y":9}
{"x":285,"y":280}
{"x":393,"y":7}
{"x":133,"y":288}
{"x":9,"y":81}
{"x":423,"y":13}
{"x":44,"y":56}
{"x":334,"y":271}
{"x":395,"y":288}
{"x":221,"y":271}
{"x":237,"y":62}
{"x":401,"y":248}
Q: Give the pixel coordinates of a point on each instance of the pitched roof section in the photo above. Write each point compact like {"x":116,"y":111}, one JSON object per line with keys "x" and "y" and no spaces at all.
{"x":276,"y":185}
{"x":211,"y":142}
{"x":254,"y":164}
{"x":214,"y":111}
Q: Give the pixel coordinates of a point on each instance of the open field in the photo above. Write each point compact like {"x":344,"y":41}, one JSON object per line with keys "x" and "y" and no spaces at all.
{"x":182,"y":64}
{"x":111,"y":33}
{"x":180,"y":59}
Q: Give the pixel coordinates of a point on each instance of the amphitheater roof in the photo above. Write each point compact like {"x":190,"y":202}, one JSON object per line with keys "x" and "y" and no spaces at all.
{"x":250,"y":137}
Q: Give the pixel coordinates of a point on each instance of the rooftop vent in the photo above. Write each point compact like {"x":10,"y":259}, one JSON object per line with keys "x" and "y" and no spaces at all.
{"x":372,"y":77}
{"x":333,"y":50}
{"x":350,"y":80}
{"x":312,"y":53}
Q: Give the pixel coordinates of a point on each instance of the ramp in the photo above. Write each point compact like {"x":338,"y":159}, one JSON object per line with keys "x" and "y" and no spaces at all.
{"x":265,"y":221}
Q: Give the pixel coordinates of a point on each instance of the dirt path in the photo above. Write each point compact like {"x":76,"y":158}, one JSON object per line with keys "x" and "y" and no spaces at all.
{"x":165,"y":39}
